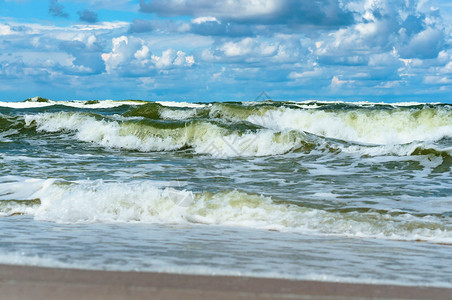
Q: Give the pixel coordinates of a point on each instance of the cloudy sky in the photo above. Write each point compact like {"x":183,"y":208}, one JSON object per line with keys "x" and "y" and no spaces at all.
{"x":200,"y":50}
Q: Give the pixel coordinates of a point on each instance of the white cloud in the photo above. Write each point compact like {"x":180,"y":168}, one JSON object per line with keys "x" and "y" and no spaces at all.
{"x":336,"y":82}
{"x":204,"y":19}
{"x":256,"y":50}
{"x":120,"y":53}
{"x":101,"y":26}
{"x":165,"y":60}
{"x":189,"y":60}
{"x":171,"y":58}
{"x":306,"y":74}
{"x":294,"y":47}
{"x":133,"y":56}
{"x":142,"y":53}
{"x":437,"y":80}
{"x":447,"y":68}
{"x":243,"y":47}
{"x":389,"y":84}
{"x":5,"y":30}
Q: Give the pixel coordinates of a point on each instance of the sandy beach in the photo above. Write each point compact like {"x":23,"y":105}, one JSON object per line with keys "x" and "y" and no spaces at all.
{"x":24,"y":282}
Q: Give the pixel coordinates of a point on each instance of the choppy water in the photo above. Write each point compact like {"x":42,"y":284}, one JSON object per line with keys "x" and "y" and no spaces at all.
{"x":329,"y":191}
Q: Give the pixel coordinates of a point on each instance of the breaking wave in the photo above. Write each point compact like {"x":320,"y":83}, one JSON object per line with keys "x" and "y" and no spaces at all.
{"x":146,"y":202}
{"x":145,"y":135}
{"x":245,"y":129}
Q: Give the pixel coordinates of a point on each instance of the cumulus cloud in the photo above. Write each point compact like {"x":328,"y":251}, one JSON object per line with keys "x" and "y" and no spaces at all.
{"x":256,"y":50}
{"x":385,"y":29}
{"x":286,"y":47}
{"x":123,"y":50}
{"x":88,"y":16}
{"x":6,"y":29}
{"x":131,"y":56}
{"x":57,"y":10}
{"x":171,"y":58}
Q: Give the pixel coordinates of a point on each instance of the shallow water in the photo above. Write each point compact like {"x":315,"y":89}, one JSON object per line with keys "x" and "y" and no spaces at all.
{"x":326,"y":191}
{"x":201,"y":249}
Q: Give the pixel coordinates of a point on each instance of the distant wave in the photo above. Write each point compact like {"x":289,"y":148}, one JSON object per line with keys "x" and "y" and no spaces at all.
{"x":246,"y":129}
{"x":144,"y":135}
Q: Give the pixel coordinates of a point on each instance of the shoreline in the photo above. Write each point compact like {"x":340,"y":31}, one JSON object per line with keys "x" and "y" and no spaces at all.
{"x":30,"y":282}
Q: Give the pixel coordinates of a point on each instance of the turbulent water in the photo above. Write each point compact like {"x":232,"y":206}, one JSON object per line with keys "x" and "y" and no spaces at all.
{"x":319,"y":190}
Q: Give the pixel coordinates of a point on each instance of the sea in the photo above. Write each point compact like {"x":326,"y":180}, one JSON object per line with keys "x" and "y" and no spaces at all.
{"x":312,"y":190}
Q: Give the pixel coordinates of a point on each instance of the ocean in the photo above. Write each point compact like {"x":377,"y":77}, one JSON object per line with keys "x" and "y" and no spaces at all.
{"x":331,"y":191}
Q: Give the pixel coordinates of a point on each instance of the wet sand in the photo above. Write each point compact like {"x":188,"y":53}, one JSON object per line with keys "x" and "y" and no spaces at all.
{"x":24,"y":282}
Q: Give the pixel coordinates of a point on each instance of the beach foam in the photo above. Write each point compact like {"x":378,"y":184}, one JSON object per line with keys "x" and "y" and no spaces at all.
{"x":143,"y":202}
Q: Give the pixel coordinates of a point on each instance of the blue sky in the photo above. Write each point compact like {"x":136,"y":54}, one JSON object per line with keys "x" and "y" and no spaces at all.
{"x":203,"y":50}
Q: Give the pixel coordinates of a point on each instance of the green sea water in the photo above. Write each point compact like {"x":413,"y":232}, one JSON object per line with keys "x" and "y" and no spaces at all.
{"x":297,"y":177}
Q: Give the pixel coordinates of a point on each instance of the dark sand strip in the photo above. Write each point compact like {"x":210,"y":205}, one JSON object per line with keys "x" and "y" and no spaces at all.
{"x":22,"y":282}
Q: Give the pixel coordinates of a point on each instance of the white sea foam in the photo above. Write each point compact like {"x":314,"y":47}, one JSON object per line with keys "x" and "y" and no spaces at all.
{"x":363,"y":103}
{"x":276,"y":139}
{"x":21,"y":105}
{"x":368,"y":132}
{"x":96,"y":104}
{"x":75,"y":103}
{"x":142,"y":201}
{"x":171,"y":114}
{"x":182,"y":104}
{"x":22,"y":259}
{"x":202,"y":137}
{"x":12,"y":189}
{"x":161,"y":266}
{"x":378,"y":127}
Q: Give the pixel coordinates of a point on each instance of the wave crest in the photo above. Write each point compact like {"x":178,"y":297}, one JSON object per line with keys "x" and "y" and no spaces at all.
{"x":202,"y":136}
{"x":145,"y":202}
{"x":250,"y":129}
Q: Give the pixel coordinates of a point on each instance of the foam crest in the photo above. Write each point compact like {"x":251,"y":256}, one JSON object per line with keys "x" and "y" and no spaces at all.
{"x":371,"y":126}
{"x":17,"y":195}
{"x":171,"y":114}
{"x":144,"y":202}
{"x":182,"y":104}
{"x":12,"y":189}
{"x":241,"y":209}
{"x":256,"y":129}
{"x":94,"y":104}
{"x":203,"y":137}
{"x":96,"y":201}
{"x":110,"y":202}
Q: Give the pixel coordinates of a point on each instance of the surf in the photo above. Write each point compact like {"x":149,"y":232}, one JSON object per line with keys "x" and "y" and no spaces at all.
{"x":236,"y":129}
{"x":148,"y":202}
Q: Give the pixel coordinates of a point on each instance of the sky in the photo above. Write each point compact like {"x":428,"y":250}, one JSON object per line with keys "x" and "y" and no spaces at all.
{"x":203,"y":50}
